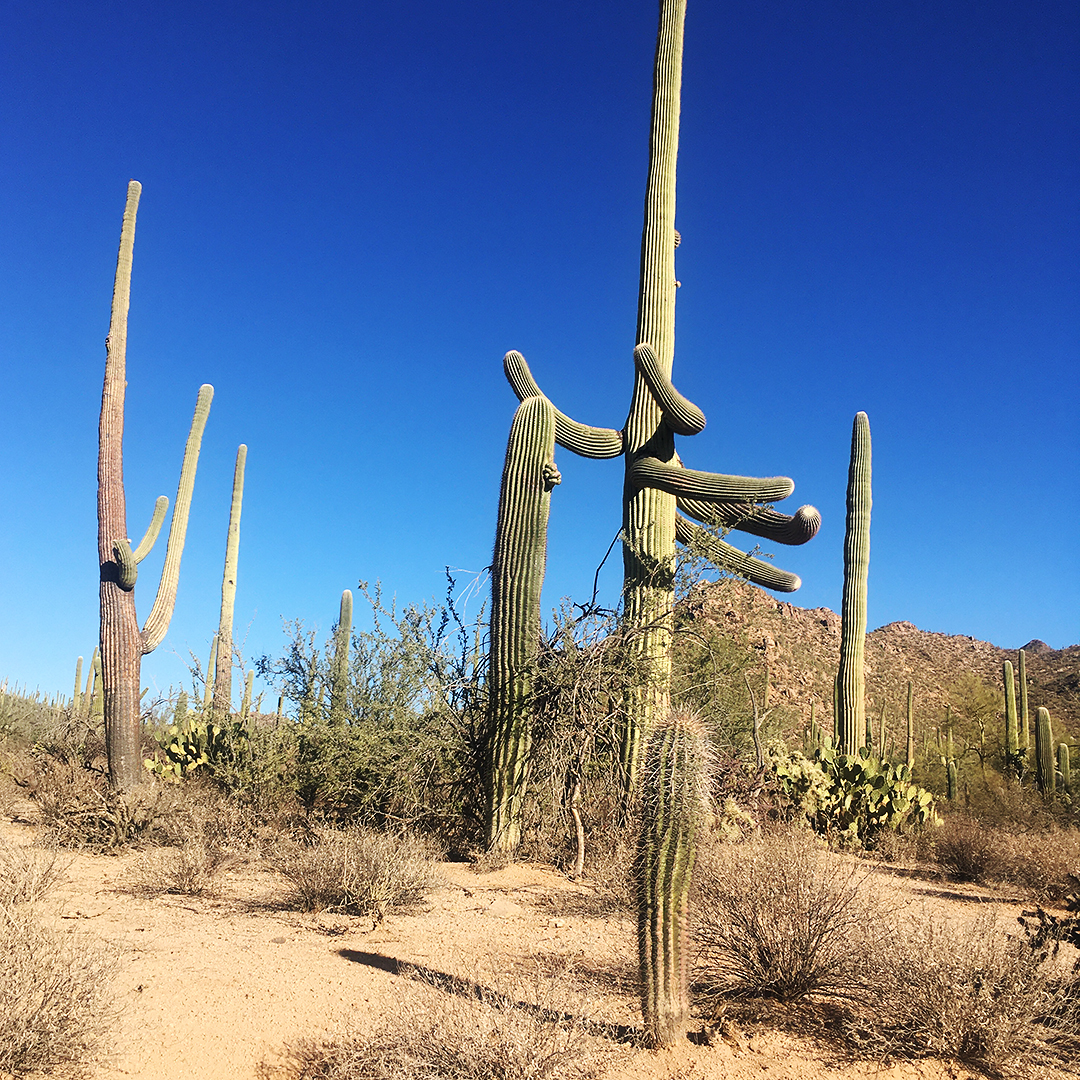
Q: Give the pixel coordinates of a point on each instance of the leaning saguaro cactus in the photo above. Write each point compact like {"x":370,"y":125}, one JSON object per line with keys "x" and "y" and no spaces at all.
{"x":674,"y":794}
{"x":222,"y":701}
{"x":517,"y":576}
{"x":655,"y":479}
{"x":851,"y":679}
{"x":123,"y":644}
{"x":1045,"y":773}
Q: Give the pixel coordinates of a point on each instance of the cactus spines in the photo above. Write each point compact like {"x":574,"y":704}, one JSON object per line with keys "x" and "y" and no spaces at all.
{"x":1012,"y":739}
{"x":222,"y":674}
{"x":1025,"y":727}
{"x":1045,"y":776}
{"x":655,"y":481}
{"x":674,"y":792}
{"x":339,"y":665}
{"x":851,"y":678}
{"x":123,"y":644}
{"x":517,"y":576}
{"x":909,"y":754}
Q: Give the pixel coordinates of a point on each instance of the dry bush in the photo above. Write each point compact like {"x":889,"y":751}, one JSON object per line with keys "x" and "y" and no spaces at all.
{"x":27,"y":874}
{"x":525,"y":1031}
{"x":53,"y":1009}
{"x":782,"y":917}
{"x":358,"y":871}
{"x":190,"y":870}
{"x":968,"y":992}
{"x":968,"y":850}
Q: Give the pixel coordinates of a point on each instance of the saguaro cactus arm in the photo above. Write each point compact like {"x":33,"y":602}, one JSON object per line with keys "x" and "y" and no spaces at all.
{"x":157,"y":622}
{"x":680,"y":414}
{"x":763,"y":521}
{"x":651,"y":472}
{"x":581,"y":439}
{"x":727,"y":557}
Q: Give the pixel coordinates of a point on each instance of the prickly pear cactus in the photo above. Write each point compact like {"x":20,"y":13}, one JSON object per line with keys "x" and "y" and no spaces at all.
{"x":517,"y":576}
{"x":674,"y":799}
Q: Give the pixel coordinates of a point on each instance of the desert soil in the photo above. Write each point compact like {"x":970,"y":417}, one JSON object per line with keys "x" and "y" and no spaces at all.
{"x":217,"y":987}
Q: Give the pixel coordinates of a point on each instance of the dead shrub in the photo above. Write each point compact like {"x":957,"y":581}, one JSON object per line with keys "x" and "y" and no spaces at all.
{"x":357,"y":871}
{"x":524,"y":1031}
{"x":968,"y":992}
{"x":782,"y":917}
{"x":968,"y":850}
{"x":27,"y":873}
{"x":190,"y":870}
{"x":53,"y":1009}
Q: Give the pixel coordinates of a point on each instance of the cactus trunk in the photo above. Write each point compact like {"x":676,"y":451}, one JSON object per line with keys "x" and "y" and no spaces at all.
{"x":851,"y":679}
{"x":223,"y":673}
{"x":674,"y":787}
{"x":517,"y":577}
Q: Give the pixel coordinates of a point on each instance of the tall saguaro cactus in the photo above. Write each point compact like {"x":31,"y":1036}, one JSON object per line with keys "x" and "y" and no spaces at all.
{"x":851,"y":680}
{"x":1021,"y":671}
{"x":1012,"y":737}
{"x":1045,"y":773}
{"x":674,"y":793}
{"x":222,"y":704}
{"x":517,"y":576}
{"x":339,"y":665}
{"x":123,"y":644}
{"x":656,"y":483}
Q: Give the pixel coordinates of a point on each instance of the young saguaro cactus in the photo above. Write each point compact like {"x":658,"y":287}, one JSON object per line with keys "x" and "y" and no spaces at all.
{"x":1045,"y":773}
{"x":222,"y":702}
{"x":517,"y":576}
{"x":123,"y":644}
{"x":674,"y":800}
{"x":656,"y":483}
{"x":851,"y":680}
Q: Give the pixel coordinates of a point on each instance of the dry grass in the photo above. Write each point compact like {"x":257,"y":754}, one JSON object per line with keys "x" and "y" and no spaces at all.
{"x":52,"y":1005}
{"x":27,"y":873}
{"x":191,"y":870}
{"x":358,"y":871}
{"x":781,"y":917}
{"x":527,"y":1031}
{"x":971,"y":993}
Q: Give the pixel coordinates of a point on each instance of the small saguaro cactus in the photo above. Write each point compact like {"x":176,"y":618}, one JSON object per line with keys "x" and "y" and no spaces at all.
{"x":95,"y":703}
{"x":1063,"y":768}
{"x":909,"y":755}
{"x":245,"y":702}
{"x":76,"y":700}
{"x":1045,"y":775}
{"x":222,"y":675}
{"x":851,"y":678}
{"x":123,"y":644}
{"x":1012,"y":736}
{"x":674,"y":801}
{"x":517,"y":576}
{"x":339,"y":664}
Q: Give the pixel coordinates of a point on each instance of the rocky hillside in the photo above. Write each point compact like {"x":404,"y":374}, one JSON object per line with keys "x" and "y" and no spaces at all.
{"x":799,"y":648}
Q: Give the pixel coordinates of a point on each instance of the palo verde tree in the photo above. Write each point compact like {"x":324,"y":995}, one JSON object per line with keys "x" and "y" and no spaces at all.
{"x":123,"y":644}
{"x":655,"y":480}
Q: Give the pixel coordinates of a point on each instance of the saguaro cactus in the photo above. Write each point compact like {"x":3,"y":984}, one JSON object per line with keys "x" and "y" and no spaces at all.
{"x":339,"y":664}
{"x":655,"y":479}
{"x":1012,"y":739}
{"x":123,"y":644}
{"x":1064,"y":771}
{"x":222,"y":704}
{"x":1025,"y":727}
{"x":76,"y":699}
{"x":851,"y":681}
{"x":909,"y":755}
{"x":517,"y":576}
{"x":1045,"y":776}
{"x":674,"y":793}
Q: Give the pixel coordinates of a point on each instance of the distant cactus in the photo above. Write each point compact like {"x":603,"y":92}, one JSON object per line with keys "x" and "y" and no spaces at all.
{"x":674,"y":793}
{"x":1012,"y":740}
{"x":339,"y":664}
{"x":950,"y":780}
{"x":517,"y":576}
{"x":1025,"y":727}
{"x":909,"y":755}
{"x":1063,"y":769}
{"x":245,"y":703}
{"x":222,"y":674}
{"x":851,"y":679}
{"x":1045,"y":776}
{"x":76,"y":700}
{"x":95,"y":705}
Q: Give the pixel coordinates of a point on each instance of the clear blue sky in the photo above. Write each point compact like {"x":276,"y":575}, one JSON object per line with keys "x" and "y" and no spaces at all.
{"x":351,"y":211}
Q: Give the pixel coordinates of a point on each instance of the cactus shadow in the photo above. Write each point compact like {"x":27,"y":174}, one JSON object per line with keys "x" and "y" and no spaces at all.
{"x":475,"y":991}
